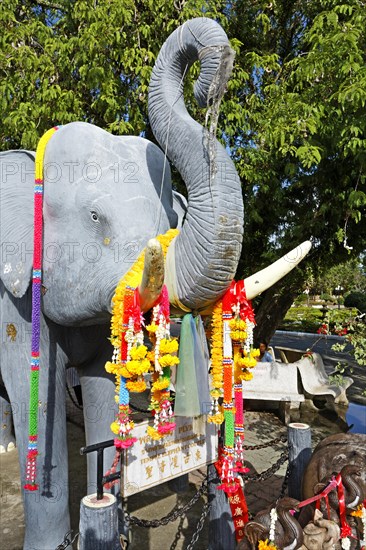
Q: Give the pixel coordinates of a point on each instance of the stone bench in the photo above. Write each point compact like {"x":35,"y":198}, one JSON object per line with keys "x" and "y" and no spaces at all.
{"x":291,"y":383}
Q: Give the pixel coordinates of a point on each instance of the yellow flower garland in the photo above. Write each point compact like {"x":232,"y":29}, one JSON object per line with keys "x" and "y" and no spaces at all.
{"x":265,"y":545}
{"x":139,"y":362}
{"x":216,"y":361}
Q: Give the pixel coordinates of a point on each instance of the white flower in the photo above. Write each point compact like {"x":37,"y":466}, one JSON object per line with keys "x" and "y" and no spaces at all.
{"x":274,"y":516}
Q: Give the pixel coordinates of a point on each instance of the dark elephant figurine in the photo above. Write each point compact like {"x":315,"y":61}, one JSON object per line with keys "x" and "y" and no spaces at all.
{"x":321,"y":534}
{"x":288,"y":532}
{"x":329,"y":457}
{"x":344,"y":454}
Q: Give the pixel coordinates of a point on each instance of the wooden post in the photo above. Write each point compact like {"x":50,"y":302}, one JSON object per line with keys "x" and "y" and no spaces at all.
{"x":299,"y":448}
{"x":179,"y":484}
{"x":221,"y":528}
{"x":99,"y":523}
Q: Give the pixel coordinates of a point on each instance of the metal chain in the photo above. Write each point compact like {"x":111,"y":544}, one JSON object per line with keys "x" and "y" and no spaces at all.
{"x":285,"y":481}
{"x":67,"y":540}
{"x":173,"y":515}
{"x":270,"y":472}
{"x":273,"y":442}
{"x":180,"y":511}
{"x":178,"y":534}
{"x":199,"y":526}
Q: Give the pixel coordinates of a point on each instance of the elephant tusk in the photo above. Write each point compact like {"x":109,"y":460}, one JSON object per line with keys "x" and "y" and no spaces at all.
{"x":153,"y":275}
{"x":259,"y":282}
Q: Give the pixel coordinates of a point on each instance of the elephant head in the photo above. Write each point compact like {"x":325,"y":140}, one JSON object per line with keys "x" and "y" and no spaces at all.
{"x":320,"y":533}
{"x":102,"y":194}
{"x":343,"y":453}
{"x":105,"y":196}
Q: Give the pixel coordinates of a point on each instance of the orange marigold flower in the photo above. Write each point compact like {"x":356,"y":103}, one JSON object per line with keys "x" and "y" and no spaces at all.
{"x":154,"y":434}
{"x":136,"y":386}
{"x":161,"y":384}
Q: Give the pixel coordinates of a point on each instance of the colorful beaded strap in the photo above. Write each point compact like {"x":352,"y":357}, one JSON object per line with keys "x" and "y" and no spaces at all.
{"x":31,"y":475}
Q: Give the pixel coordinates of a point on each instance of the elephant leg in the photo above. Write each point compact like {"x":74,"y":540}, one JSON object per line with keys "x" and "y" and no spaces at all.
{"x":46,"y":510}
{"x":99,"y":411}
{"x":7,"y":439}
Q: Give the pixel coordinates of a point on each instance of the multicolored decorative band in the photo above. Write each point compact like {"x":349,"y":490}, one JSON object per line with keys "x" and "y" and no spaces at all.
{"x":31,"y":470}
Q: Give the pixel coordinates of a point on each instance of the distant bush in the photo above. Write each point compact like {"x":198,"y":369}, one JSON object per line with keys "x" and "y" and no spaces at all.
{"x":339,"y":316}
{"x":356,"y":299}
{"x":304,"y":319}
{"x":301,"y":299}
{"x":308,"y":319}
{"x":327,"y":297}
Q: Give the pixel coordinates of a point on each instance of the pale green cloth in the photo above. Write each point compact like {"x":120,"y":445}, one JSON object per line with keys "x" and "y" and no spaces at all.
{"x":192,"y":396}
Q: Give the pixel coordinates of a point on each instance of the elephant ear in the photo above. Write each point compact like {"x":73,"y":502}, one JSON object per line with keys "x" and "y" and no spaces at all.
{"x":16,"y":220}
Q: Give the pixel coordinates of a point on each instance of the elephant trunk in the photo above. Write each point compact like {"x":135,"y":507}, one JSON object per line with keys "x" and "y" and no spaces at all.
{"x":293,"y":536}
{"x":202,"y":260}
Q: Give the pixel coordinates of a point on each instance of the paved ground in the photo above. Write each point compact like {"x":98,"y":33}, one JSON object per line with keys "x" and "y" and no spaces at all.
{"x":157,"y":502}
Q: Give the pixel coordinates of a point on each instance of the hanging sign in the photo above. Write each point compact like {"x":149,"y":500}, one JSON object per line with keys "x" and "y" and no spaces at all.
{"x":149,"y":463}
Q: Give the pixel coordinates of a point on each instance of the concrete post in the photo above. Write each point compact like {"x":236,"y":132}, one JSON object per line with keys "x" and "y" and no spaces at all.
{"x":299,"y":447}
{"x":99,"y":523}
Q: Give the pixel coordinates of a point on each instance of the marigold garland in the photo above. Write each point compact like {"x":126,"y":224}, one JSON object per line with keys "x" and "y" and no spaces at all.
{"x":130,"y":360}
{"x":266,"y":545}
{"x":163,"y":360}
{"x":232,"y":355}
{"x":217,"y":377}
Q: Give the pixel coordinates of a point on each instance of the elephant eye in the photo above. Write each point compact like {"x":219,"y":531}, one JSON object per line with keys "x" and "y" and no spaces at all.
{"x":94,"y":216}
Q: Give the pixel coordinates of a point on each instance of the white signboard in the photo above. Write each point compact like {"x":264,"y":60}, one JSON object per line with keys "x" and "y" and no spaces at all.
{"x":149,"y":463}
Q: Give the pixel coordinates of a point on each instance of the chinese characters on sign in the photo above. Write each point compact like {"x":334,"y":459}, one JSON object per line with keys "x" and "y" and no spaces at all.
{"x":149,"y":463}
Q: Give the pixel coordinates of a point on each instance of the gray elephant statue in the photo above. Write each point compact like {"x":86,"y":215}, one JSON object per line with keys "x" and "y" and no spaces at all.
{"x":7,"y":440}
{"x":104,"y":197}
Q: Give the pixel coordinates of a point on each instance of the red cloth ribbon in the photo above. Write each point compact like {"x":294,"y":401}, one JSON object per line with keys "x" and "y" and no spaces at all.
{"x":239,"y":511}
{"x":346,"y":530}
{"x":236,"y":293}
{"x":227,"y":300}
{"x":246,"y":310}
{"x":336,"y":482}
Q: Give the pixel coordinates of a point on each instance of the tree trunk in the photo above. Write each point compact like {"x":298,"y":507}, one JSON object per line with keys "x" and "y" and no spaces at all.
{"x":276,"y":301}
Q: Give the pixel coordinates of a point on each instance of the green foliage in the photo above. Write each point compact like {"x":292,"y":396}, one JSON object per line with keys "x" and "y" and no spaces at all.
{"x":301,"y":299}
{"x":354,"y":330}
{"x":357,"y":300}
{"x":337,"y":317}
{"x":326,"y":297}
{"x":342,"y":278}
{"x":300,"y":149}
{"x":303,"y":319}
{"x":63,"y":61}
